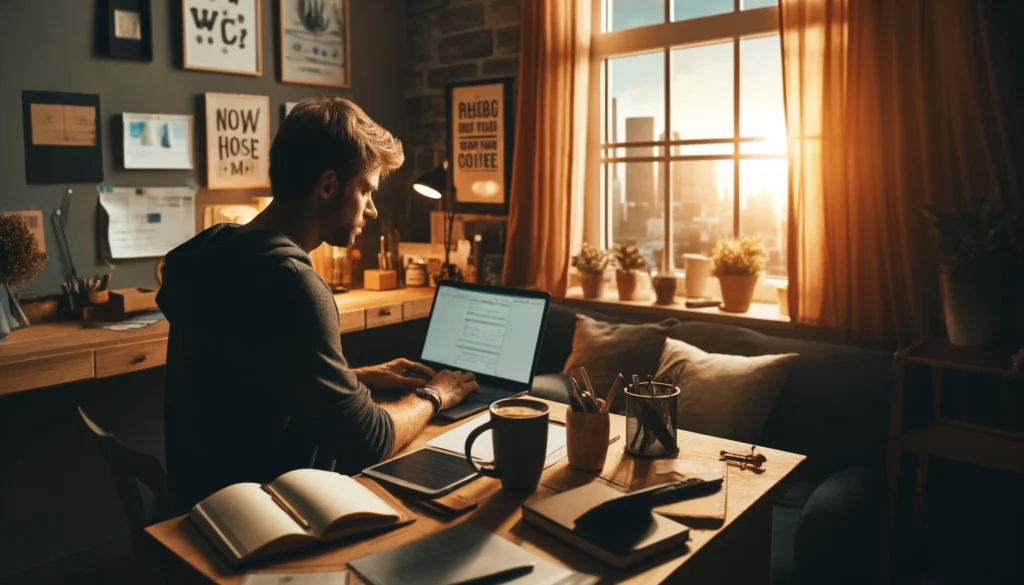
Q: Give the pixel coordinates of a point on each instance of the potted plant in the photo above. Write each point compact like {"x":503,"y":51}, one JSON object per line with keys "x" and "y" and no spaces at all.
{"x":629,"y":265}
{"x":978,"y":251}
{"x":738,"y":264}
{"x":591,"y":263}
{"x":20,"y":262}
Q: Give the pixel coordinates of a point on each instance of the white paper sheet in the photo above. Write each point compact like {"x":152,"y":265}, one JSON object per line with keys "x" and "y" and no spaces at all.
{"x":454,"y":441}
{"x":299,"y":578}
{"x":157,"y":141}
{"x":148,"y":223}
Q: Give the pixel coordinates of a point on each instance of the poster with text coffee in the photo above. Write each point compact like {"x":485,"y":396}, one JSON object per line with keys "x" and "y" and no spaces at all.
{"x":237,"y":141}
{"x":478,"y":143}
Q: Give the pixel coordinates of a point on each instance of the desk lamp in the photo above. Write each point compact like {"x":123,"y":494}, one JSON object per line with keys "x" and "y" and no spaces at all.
{"x":435,"y":185}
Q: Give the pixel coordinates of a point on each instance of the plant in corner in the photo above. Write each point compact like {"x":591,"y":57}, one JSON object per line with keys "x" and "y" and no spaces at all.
{"x":20,"y":262}
{"x":629,"y":265}
{"x":591,"y":262}
{"x":738,"y":264}
{"x":978,"y":255}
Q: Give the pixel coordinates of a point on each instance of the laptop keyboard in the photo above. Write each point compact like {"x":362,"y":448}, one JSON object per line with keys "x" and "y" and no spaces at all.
{"x":487,"y":395}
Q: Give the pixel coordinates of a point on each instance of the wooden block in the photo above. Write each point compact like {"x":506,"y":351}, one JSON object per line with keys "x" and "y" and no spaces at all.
{"x":380,"y":279}
{"x":130,"y":300}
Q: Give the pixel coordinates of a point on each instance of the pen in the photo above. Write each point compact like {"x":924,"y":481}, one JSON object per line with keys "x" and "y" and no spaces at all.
{"x":284,"y":506}
{"x":500,"y":576}
{"x":619,"y":381}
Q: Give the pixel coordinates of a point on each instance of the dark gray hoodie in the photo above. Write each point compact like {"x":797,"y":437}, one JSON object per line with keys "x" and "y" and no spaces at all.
{"x":256,"y":381}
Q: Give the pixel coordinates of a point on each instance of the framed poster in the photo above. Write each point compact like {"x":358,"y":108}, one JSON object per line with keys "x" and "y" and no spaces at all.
{"x":62,"y":137}
{"x":222,"y":36}
{"x":237,"y":141}
{"x":157,"y":141}
{"x":480,"y":135}
{"x":126,"y":30}
{"x":314,"y":42}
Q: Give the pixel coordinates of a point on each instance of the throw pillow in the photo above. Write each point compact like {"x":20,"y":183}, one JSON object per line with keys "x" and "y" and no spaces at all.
{"x":726,"y":396}
{"x":605,"y":349}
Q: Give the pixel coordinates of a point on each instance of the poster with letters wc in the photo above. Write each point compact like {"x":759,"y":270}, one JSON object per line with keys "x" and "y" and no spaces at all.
{"x":237,"y":141}
{"x":222,"y":36}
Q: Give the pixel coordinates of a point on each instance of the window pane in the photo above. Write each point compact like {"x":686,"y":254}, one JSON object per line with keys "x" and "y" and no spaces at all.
{"x":702,"y":104}
{"x":637,"y":95}
{"x":702,"y":204}
{"x":751,"y":4}
{"x":636,"y":208}
{"x":762,"y":113}
{"x":703,"y":149}
{"x":687,"y":9}
{"x":634,"y":13}
{"x":763,"y":196}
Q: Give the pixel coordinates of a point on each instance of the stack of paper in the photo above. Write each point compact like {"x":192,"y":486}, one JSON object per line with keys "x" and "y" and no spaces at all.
{"x":454,"y":441}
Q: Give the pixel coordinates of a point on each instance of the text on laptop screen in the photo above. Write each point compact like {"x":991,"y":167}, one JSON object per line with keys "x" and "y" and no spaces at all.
{"x":484,"y":332}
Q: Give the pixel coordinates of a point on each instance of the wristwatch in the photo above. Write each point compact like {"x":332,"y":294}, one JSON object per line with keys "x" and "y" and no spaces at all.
{"x":432,"y":395}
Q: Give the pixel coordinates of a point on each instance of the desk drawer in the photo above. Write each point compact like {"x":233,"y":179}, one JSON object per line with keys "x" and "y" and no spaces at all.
{"x":354,"y":320}
{"x":417,"y":308}
{"x":383,"y":315}
{"x":111,"y":361}
{"x":47,"y":371}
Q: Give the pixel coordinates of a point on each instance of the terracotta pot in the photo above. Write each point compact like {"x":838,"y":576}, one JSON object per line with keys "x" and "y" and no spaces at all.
{"x":626,"y":281}
{"x":593,"y":285}
{"x":737,"y":291}
{"x":971,"y":305}
{"x":665,"y":289}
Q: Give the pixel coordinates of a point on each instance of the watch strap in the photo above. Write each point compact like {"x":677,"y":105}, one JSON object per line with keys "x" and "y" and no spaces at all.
{"x":432,"y":395}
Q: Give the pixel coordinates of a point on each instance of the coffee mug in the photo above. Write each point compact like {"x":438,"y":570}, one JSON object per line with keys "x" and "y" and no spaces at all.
{"x":519,"y":429}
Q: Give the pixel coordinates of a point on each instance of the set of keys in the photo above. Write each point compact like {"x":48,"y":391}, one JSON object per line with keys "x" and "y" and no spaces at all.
{"x":753,"y":461}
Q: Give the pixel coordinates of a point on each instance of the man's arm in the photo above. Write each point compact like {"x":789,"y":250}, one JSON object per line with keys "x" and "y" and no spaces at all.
{"x":409,"y":416}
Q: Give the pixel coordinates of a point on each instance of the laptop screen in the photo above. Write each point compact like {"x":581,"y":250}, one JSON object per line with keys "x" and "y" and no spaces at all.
{"x":484,"y":332}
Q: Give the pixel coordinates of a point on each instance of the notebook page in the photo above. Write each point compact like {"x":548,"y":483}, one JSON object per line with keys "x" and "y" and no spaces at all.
{"x":322,"y":497}
{"x":247,"y":517}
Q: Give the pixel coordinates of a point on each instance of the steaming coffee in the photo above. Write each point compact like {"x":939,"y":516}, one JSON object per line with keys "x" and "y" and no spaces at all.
{"x":517,"y":412}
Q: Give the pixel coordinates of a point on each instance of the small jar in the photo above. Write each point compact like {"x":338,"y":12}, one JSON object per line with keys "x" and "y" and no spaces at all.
{"x":416,"y":274}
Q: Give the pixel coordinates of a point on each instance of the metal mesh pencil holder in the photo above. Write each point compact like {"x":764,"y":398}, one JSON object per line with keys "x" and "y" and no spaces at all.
{"x":651,"y":419}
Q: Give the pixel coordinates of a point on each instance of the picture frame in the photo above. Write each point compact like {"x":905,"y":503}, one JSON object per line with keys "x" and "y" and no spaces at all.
{"x":237,"y":141}
{"x":222,"y":36}
{"x":315,"y":42}
{"x":156,"y":141}
{"x":480,"y":135}
{"x":125,"y":29}
{"x":63,"y":141}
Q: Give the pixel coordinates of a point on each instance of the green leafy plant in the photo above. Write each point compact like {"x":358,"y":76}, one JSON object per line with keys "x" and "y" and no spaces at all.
{"x":591,"y":260}
{"x":981,"y":239}
{"x":20,"y":258}
{"x":629,"y":258}
{"x":743,"y":256}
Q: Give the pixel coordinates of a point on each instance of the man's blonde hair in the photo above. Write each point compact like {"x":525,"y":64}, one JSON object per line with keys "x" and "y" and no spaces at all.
{"x":329,"y":133}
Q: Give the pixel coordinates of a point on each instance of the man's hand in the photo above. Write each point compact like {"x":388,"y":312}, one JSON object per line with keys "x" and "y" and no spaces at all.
{"x":393,"y":375}
{"x":453,"y":386}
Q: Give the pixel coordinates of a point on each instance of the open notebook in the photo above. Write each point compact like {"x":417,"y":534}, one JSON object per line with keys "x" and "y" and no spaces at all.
{"x":247,"y":521}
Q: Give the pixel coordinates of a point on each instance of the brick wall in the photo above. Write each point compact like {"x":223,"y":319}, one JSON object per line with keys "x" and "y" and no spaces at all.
{"x":452,"y":40}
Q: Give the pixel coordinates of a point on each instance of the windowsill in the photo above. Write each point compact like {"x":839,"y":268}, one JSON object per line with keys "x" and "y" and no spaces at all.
{"x":760,"y":315}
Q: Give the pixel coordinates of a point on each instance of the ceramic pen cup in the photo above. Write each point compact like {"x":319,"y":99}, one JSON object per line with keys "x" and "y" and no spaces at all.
{"x":651,"y":419}
{"x":586,"y":438}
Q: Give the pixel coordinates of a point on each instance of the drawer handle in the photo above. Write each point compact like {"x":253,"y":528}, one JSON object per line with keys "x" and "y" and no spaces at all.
{"x":385,"y":312}
{"x":138,"y":360}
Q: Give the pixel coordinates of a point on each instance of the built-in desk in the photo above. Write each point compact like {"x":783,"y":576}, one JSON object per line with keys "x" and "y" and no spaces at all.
{"x":57,"y":353}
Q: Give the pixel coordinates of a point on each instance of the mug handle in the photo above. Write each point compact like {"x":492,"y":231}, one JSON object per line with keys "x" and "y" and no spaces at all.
{"x":489,"y":471}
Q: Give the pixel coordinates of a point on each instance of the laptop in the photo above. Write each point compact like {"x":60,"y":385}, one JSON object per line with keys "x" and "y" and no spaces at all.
{"x":494,"y":332}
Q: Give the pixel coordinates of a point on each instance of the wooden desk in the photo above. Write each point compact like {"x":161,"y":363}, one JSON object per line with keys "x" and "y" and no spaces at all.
{"x":739,"y":551}
{"x":57,"y":353}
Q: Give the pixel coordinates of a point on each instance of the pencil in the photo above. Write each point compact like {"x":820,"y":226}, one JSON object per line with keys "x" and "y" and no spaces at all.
{"x":616,"y":385}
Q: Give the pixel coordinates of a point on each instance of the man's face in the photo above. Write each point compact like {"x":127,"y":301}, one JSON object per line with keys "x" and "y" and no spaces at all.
{"x":345,"y":209}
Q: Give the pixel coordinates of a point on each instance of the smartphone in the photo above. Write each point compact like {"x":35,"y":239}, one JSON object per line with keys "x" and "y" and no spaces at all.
{"x":428,"y":472}
{"x":701,"y":302}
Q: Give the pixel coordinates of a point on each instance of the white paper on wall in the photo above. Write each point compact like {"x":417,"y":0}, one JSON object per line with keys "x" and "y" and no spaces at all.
{"x":148,"y":223}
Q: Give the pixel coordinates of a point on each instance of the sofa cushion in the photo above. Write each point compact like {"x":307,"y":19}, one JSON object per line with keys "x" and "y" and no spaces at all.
{"x":606,"y":349}
{"x":834,"y":405}
{"x":556,"y":342}
{"x":721,"y":395}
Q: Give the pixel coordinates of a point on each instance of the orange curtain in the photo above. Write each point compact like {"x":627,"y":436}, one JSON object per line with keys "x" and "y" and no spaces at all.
{"x":548,"y":169}
{"x":889,"y":106}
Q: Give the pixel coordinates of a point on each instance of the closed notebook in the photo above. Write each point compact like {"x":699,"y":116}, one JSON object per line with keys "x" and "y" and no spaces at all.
{"x":622,"y":543}
{"x":247,"y":521}
{"x":697,"y":512}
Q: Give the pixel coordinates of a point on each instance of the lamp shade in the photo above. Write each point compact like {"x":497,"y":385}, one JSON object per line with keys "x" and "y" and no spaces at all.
{"x":433,"y":183}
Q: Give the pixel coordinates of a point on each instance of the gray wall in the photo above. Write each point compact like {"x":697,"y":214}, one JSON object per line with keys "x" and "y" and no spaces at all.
{"x":48,"y":45}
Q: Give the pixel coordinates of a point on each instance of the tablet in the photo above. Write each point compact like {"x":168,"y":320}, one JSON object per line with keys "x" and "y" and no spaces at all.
{"x":427,"y":472}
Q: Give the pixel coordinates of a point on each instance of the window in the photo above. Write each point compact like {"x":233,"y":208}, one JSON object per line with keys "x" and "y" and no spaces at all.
{"x":693,"y":136}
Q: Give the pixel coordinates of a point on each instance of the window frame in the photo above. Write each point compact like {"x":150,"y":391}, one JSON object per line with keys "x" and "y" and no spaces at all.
{"x":731,"y":27}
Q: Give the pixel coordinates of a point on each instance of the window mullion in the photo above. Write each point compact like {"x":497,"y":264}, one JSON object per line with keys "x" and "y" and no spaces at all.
{"x":668,"y":252}
{"x":736,"y":136}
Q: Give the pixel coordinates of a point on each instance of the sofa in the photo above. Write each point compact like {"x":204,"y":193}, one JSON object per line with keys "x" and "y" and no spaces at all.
{"x":833,"y":408}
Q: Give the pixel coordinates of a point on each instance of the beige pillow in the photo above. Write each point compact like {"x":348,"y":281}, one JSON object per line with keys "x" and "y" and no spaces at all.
{"x":726,"y":396}
{"x":605,"y":349}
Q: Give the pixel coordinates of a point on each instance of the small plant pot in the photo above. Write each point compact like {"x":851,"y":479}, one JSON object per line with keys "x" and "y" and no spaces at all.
{"x":737,"y":291}
{"x":592,"y":284}
{"x":627,"y":282}
{"x":665,"y":289}
{"x":971,"y":305}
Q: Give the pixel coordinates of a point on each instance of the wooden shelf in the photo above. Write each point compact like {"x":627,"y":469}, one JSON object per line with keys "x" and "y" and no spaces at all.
{"x":940,"y":353}
{"x":949,"y":440}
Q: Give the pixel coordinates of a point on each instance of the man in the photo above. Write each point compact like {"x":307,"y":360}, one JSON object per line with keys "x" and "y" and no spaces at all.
{"x":256,"y":381}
